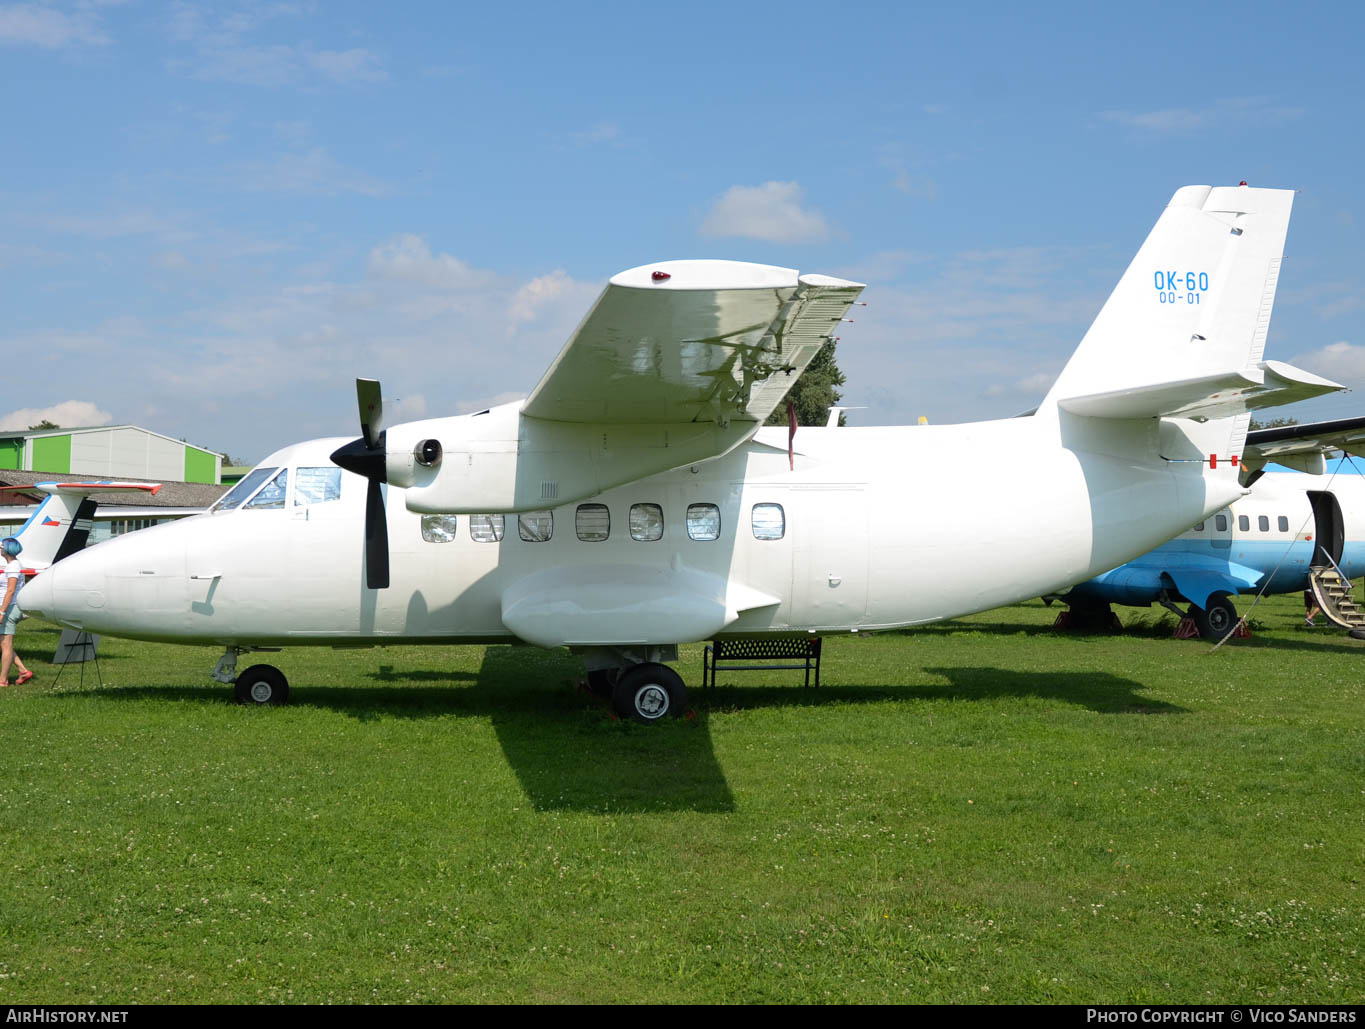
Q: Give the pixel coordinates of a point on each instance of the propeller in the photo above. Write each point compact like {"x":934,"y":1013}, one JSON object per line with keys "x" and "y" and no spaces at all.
{"x":365,"y":456}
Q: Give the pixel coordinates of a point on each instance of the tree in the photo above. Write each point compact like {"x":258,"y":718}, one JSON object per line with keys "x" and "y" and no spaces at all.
{"x":815,"y":391}
{"x":1274,"y":423}
{"x":43,"y":426}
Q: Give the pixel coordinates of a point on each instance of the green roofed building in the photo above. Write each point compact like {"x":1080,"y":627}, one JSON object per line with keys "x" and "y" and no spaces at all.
{"x":109,"y":452}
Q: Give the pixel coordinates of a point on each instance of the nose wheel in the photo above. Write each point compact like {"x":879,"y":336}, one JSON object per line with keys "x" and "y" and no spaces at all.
{"x":262,"y":685}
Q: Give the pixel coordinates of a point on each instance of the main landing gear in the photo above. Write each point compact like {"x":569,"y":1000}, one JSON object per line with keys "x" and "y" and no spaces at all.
{"x":259,"y":684}
{"x":645,"y":691}
{"x":1215,"y":621}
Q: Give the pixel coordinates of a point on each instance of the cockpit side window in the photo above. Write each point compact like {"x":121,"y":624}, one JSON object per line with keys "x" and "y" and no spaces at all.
{"x":272,"y":493}
{"x":316,"y":485}
{"x":249,"y":484}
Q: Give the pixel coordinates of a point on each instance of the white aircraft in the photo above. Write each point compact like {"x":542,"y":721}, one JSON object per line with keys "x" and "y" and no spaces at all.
{"x":632,"y":502}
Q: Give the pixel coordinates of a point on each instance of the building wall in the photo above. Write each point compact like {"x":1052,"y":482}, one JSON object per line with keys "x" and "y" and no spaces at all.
{"x":117,"y":453}
{"x":52,"y":454}
{"x":200,"y":465}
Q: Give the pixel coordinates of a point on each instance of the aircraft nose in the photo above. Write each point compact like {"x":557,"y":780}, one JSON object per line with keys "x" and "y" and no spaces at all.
{"x":37,"y":596}
{"x":66,"y":592}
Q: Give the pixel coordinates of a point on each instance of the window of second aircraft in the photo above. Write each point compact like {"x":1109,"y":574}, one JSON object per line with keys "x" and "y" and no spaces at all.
{"x":272,"y":493}
{"x":1220,"y":522}
{"x":1263,"y":523}
{"x":1284,"y":523}
{"x":1243,"y":523}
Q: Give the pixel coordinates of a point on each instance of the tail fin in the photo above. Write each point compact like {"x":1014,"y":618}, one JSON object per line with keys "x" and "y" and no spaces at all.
{"x":61,"y":524}
{"x":1183,"y":334}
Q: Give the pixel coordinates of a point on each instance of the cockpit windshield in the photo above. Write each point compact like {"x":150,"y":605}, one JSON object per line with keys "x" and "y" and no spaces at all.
{"x":249,"y":484}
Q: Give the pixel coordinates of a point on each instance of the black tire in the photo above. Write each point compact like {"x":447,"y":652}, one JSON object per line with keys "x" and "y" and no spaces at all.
{"x":648,"y":693}
{"x":262,"y":685}
{"x":602,"y":681}
{"x":1217,"y":620}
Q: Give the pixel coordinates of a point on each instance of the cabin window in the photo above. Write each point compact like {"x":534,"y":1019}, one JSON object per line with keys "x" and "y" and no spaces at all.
{"x":1263,"y":523}
{"x":592,"y":522}
{"x":769,"y":522}
{"x":438,"y":528}
{"x":485,"y":528}
{"x":646,"y":522}
{"x":536,"y":526}
{"x":703,"y":521}
{"x":272,"y":493}
{"x":1199,"y":527}
{"x":1243,"y":523}
{"x":1284,"y":524}
{"x":1220,"y":522}
{"x":316,"y":485}
{"x":244,"y":489}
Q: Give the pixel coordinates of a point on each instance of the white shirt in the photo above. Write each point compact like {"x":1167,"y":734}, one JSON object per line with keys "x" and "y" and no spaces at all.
{"x":15,"y":571}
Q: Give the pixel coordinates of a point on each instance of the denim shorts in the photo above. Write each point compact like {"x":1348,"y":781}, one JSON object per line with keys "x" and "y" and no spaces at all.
{"x":11,"y":619}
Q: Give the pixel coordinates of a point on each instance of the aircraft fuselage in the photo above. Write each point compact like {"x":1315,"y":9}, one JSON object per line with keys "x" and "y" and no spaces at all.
{"x":875,"y":528}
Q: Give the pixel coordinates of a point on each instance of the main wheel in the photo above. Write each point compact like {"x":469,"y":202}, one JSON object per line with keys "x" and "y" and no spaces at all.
{"x":649,"y":692}
{"x":262,"y":684}
{"x":1215,"y":621}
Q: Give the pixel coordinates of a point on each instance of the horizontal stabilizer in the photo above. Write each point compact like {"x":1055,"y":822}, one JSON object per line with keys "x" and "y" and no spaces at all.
{"x":1220,"y":395}
{"x":1315,"y":438}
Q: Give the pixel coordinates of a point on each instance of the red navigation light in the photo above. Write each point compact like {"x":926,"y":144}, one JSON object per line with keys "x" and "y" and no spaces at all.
{"x":1242,"y":183}
{"x":661,"y":276}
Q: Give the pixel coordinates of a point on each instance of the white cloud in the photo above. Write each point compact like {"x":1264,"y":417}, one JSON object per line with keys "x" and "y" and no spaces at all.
{"x":771,"y":212}
{"x":1220,"y":114}
{"x":347,"y":65}
{"x":408,"y":258}
{"x":602,"y":132}
{"x":1341,"y":361}
{"x":533,"y":296}
{"x":1035,"y":385}
{"x":49,"y":27}
{"x":219,"y":37}
{"x":315,"y":172}
{"x":68,"y":414}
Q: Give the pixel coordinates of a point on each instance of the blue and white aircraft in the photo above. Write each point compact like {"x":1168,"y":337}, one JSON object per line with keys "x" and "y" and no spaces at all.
{"x":1292,"y":532}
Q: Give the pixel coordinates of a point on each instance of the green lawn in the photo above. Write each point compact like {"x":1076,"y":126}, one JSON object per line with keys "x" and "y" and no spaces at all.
{"x":981,"y":811}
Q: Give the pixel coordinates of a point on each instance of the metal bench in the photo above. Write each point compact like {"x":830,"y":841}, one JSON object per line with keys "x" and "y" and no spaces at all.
{"x":805,"y":649}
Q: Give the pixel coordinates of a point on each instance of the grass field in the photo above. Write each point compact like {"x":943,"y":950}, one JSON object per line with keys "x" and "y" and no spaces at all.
{"x":981,"y":811}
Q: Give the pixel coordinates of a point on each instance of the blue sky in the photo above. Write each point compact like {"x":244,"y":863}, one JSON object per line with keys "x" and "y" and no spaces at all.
{"x":213,"y":217}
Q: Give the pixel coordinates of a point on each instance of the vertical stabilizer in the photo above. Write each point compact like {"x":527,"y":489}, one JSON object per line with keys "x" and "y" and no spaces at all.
{"x":1195,"y":302}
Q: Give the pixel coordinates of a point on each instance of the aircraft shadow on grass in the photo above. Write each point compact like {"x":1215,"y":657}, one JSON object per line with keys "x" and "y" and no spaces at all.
{"x":567,"y":756}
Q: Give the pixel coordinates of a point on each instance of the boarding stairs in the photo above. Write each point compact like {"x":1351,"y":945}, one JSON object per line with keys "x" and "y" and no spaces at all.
{"x":1332,"y":591}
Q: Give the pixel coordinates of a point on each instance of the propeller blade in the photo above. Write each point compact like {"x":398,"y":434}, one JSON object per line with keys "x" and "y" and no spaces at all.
{"x":371,"y":410}
{"x":376,"y":539}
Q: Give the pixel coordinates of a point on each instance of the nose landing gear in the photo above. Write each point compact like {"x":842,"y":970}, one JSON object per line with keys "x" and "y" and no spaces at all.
{"x":259,"y":684}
